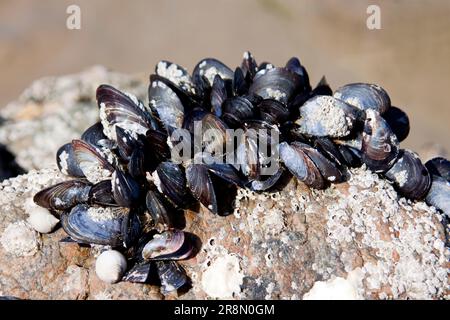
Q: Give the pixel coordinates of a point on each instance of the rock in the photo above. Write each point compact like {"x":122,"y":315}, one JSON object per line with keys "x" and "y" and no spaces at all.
{"x":358,"y":239}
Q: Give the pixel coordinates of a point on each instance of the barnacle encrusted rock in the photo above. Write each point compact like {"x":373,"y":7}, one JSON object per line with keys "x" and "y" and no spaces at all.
{"x":357,"y":239}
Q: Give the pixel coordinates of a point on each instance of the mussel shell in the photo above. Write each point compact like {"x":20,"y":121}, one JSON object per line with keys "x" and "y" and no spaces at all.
{"x":398,"y":121}
{"x":167,"y":104}
{"x":218,"y":95}
{"x":92,"y":162}
{"x":139,"y":273}
{"x":249,"y":66}
{"x":439,"y":195}
{"x":214,"y":132}
{"x":325,"y":116}
{"x":209,"y":68}
{"x":94,"y":135}
{"x":240,"y":83}
{"x":236,"y":110}
{"x":364,"y":96}
{"x":380,"y":147}
{"x":201,"y":186}
{"x":123,"y":110}
{"x":328,"y":148}
{"x":169,"y":245}
{"x":268,"y":182}
{"x":95,"y":225}
{"x":172,"y":183}
{"x":164,"y":215}
{"x":439,"y":167}
{"x":156,"y":141}
{"x":175,"y":74}
{"x":67,"y":164}
{"x":131,"y":229}
{"x":172,"y":276}
{"x":273,"y":111}
{"x":277,"y":83}
{"x":352,"y":156}
{"x":126,"y":143}
{"x":64,"y":195}
{"x":101,"y":194}
{"x":126,"y":191}
{"x":411,"y":178}
{"x":327,"y":168}
{"x":301,"y":165}
{"x":295,"y":66}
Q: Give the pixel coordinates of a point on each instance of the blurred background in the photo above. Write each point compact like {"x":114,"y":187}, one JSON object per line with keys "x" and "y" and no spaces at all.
{"x":409,"y":56}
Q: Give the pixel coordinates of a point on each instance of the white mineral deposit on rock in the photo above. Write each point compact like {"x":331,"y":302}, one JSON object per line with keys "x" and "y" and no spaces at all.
{"x":223,"y":278}
{"x":19,"y":239}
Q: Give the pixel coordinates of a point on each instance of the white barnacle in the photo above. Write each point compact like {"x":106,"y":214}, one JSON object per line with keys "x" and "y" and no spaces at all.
{"x":110,"y":266}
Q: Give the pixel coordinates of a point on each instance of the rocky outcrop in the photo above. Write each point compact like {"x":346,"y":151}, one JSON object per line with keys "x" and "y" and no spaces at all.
{"x":356,"y":240}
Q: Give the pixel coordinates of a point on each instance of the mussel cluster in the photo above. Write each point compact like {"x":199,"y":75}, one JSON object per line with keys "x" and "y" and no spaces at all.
{"x":128,"y":192}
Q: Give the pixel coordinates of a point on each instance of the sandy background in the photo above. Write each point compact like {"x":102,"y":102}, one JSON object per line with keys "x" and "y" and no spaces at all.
{"x":409,"y":56}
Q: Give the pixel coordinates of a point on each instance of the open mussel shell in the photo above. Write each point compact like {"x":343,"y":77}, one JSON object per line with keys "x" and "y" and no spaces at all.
{"x":278,"y":83}
{"x":101,"y":194}
{"x":167,"y":104}
{"x":126,"y":191}
{"x":439,"y":194}
{"x":364,"y":96}
{"x":95,"y":225}
{"x":300,"y":164}
{"x":398,"y":121}
{"x":439,"y":167}
{"x":169,"y":245}
{"x":123,"y":110}
{"x":325,"y":116}
{"x":200,"y":183}
{"x":171,"y":181}
{"x":67,"y":163}
{"x":91,"y":161}
{"x":207,"y":69}
{"x":172,"y":276}
{"x":380,"y":147}
{"x":64,"y":195}
{"x":175,"y":74}
{"x":411,"y":178}
{"x":237,"y":110}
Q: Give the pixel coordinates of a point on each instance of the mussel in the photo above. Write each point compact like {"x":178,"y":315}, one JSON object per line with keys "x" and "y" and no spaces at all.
{"x":169,"y":245}
{"x":364,"y":96}
{"x":64,"y":195}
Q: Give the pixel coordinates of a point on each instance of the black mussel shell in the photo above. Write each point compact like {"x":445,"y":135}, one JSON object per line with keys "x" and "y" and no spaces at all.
{"x":165,"y":102}
{"x":163,"y":213}
{"x":172,"y":183}
{"x":125,"y":189}
{"x":439,"y":194}
{"x":207,"y":69}
{"x":67,"y":164}
{"x":249,"y":66}
{"x":398,"y":120}
{"x":352,"y":156}
{"x":169,"y":245}
{"x":380,"y":147}
{"x":101,"y":194}
{"x":95,"y":225}
{"x":301,"y":165}
{"x":218,"y":95}
{"x":200,"y":183}
{"x":64,"y":195}
{"x":214,"y":132}
{"x":267,"y":182}
{"x":125,"y":111}
{"x":237,"y":110}
{"x":92,"y":161}
{"x":94,"y":135}
{"x":411,"y":178}
{"x":131,"y":229}
{"x":364,"y":96}
{"x":439,"y":167}
{"x":328,"y":148}
{"x":295,"y":66}
{"x":172,"y":276}
{"x":273,"y":111}
{"x":126,"y":143}
{"x":176,"y":74}
{"x":156,"y":141}
{"x":277,"y":83}
{"x":327,"y":168}
{"x":325,"y":116}
{"x":240,"y":83}
{"x":139,"y":273}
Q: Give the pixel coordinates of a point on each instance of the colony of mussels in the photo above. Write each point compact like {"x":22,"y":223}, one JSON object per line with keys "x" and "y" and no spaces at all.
{"x":126,"y":192}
